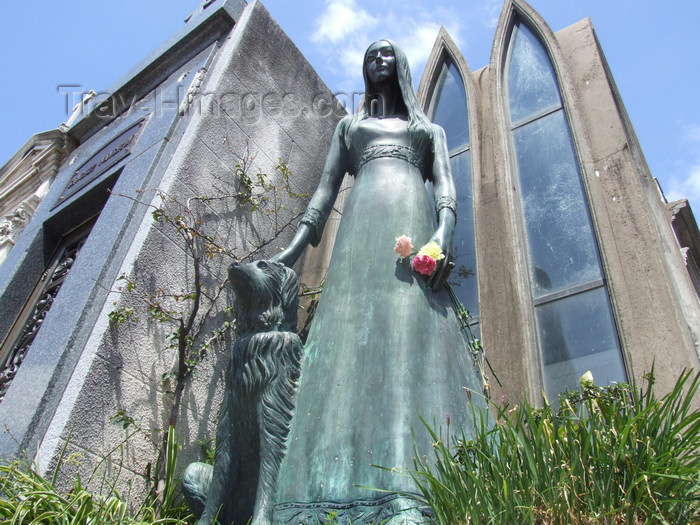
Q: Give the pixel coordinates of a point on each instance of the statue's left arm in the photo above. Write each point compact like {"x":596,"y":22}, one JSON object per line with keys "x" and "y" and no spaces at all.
{"x":446,"y":206}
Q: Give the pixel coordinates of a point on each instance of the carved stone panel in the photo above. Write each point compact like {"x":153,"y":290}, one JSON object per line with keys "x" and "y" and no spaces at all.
{"x":13,"y":352}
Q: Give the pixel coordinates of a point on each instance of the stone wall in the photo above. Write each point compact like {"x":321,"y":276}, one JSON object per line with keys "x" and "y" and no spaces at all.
{"x":655,"y":304}
{"x":25,"y":180}
{"x":239,"y":93}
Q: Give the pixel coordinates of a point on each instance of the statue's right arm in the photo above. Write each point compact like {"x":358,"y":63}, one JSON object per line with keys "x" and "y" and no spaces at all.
{"x":321,"y":204}
{"x":291,"y":253}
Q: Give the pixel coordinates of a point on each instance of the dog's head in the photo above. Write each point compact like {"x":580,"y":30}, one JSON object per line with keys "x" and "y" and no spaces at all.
{"x":267,"y":296}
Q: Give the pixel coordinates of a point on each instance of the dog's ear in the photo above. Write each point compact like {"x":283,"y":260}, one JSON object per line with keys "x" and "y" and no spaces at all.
{"x":289,"y":294}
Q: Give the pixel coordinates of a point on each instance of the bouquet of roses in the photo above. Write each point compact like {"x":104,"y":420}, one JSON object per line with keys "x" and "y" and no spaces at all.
{"x":425,"y":260}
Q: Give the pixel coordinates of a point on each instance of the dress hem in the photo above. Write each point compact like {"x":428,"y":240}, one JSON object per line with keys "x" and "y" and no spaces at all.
{"x":380,"y":510}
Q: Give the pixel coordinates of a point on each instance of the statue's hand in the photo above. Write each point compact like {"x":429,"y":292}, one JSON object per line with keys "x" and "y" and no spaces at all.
{"x":291,"y":253}
{"x":444,"y":237}
{"x":283,"y":257}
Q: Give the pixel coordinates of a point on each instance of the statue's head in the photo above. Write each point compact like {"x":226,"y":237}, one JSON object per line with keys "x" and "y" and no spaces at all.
{"x":397,"y":71}
{"x":385,"y":62}
{"x":379,"y":66}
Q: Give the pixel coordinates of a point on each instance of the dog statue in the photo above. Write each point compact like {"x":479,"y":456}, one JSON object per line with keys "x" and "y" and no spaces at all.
{"x":258,"y":400}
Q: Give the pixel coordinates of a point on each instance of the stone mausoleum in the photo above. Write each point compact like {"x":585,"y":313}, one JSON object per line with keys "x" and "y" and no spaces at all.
{"x":568,"y":256}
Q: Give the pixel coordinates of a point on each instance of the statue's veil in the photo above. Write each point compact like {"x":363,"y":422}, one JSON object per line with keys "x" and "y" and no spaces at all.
{"x":417,"y":120}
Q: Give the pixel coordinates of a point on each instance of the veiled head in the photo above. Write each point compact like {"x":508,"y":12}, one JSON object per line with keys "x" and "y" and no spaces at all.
{"x":417,"y":121}
{"x":392,"y":56}
{"x":379,"y":66}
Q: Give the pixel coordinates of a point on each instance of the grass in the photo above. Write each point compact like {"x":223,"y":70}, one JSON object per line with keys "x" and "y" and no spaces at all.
{"x":28,"y":498}
{"x":606,"y":455}
{"x":615,"y":454}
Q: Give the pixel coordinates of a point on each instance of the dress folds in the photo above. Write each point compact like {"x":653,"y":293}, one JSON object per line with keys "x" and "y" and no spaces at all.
{"x":383,"y":349}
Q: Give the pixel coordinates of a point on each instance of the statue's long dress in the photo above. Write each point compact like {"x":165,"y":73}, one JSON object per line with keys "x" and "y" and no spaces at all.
{"x":382,"y":350}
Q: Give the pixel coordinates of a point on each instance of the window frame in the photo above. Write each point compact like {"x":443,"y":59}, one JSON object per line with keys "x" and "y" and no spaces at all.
{"x":447,"y":59}
{"x":516,"y":20}
{"x":9,"y":349}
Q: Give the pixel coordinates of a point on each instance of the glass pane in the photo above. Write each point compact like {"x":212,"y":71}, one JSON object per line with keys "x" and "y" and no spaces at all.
{"x":562,"y":247}
{"x":532,"y":84}
{"x":577,"y":333}
{"x":450,"y":107}
{"x":476,"y":330}
{"x":463,"y":277}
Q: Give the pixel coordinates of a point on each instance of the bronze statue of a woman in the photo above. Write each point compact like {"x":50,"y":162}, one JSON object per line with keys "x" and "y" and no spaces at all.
{"x":385,"y":346}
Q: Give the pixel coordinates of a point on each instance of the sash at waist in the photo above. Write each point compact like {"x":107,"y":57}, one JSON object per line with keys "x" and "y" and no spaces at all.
{"x":393,"y":151}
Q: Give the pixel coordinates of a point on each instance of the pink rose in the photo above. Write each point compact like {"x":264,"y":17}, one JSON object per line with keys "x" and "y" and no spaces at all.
{"x":403,"y":246}
{"x":424,"y":264}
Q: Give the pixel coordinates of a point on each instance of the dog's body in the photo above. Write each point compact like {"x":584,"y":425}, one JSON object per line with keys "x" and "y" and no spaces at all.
{"x":258,"y":401}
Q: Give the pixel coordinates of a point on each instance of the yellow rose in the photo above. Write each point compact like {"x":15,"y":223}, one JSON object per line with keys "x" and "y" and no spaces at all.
{"x":432,"y":249}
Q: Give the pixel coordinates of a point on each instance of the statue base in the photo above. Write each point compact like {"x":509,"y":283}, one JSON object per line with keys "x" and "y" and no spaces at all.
{"x":391,"y":510}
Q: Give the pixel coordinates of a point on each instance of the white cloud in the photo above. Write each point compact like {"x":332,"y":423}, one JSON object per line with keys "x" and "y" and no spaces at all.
{"x":679,"y":176}
{"x":341,"y":19}
{"x":419,"y":37}
{"x":492,"y":8}
{"x":351,"y":56}
{"x":349,"y":28}
{"x":687,"y":187}
{"x":420,"y":43}
{"x":683,"y":181}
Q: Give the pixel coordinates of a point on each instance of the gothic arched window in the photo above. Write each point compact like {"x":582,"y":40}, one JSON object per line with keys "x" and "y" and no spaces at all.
{"x":575,"y":325}
{"x":449,"y":110}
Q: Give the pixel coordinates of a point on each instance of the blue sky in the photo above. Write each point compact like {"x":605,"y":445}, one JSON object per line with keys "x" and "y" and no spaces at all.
{"x":651,"y":47}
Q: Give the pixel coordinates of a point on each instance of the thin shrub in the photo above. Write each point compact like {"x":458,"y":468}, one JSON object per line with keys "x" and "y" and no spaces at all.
{"x":615,"y":454}
{"x":29,"y":498}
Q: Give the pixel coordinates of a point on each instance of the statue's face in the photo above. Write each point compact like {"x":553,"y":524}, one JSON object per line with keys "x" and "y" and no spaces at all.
{"x":380,"y":63}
